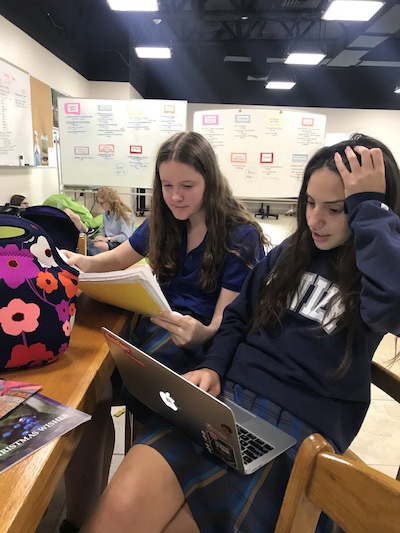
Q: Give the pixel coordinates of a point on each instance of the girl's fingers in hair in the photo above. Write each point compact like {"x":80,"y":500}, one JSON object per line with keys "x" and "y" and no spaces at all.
{"x":369,"y":176}
{"x":372,"y":169}
{"x":341,"y":166}
{"x":372,"y":156}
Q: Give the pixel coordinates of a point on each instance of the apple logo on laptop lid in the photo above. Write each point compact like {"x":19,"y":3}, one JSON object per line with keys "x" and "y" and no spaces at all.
{"x":168,"y":400}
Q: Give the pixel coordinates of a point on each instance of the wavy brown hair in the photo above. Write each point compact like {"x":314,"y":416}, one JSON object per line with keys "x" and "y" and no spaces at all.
{"x":117,"y":206}
{"x":283,"y":282}
{"x":223,"y":212}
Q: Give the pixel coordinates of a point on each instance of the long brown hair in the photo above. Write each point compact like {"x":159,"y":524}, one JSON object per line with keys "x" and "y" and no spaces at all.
{"x":282,"y":284}
{"x":117,"y":206}
{"x":223,"y":212}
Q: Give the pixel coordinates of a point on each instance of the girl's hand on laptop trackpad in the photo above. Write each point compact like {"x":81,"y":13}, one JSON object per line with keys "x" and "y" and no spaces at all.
{"x":206,"y":379}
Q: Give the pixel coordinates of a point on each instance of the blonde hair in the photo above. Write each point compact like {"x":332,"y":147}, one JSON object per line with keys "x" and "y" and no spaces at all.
{"x":117,"y":206}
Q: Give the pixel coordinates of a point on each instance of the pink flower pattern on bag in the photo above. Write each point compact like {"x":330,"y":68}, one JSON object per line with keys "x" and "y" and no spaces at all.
{"x":16,"y":265}
{"x":38,"y":293}
{"x":18,"y":317}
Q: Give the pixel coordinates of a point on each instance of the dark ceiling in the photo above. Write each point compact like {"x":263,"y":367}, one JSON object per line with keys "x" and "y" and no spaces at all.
{"x":361,"y":69}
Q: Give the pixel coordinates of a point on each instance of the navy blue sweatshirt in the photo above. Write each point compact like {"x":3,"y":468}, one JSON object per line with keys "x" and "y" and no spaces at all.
{"x":293,"y":366}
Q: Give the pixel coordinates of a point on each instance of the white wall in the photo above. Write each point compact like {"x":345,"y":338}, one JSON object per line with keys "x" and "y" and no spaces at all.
{"x":110,"y":89}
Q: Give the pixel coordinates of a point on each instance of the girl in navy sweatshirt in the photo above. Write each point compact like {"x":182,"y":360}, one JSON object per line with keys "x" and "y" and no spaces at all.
{"x":295,"y":348}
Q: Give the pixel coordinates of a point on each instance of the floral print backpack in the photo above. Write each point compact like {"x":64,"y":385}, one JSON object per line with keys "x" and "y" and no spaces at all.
{"x":38,"y":292}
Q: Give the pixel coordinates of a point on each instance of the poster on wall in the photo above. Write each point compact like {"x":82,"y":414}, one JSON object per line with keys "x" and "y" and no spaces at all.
{"x":115,"y":142}
{"x":262,"y":152}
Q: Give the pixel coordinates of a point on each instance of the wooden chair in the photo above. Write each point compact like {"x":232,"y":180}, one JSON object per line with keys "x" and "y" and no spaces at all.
{"x":389,"y":382}
{"x":82,"y":243}
{"x":357,"y":497}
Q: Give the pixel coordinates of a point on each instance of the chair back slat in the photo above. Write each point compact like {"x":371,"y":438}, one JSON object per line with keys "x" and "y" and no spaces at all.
{"x":357,"y":497}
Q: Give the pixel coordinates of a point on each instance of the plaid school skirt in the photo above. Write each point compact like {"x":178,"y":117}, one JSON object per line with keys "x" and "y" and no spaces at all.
{"x":220,"y":499}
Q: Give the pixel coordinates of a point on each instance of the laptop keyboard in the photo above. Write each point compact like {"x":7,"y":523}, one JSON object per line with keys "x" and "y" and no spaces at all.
{"x":252,"y":446}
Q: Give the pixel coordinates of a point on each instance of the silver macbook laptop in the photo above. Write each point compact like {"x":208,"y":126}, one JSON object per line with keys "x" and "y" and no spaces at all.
{"x":243,"y":440}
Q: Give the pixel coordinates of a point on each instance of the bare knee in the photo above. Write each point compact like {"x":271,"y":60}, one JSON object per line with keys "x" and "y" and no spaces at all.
{"x":145,"y":477}
{"x":143,"y":483}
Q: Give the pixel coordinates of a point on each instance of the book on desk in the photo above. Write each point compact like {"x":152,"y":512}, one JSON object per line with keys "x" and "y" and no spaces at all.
{"x":134,"y":289}
{"x":13,"y":393}
{"x":32,"y":424}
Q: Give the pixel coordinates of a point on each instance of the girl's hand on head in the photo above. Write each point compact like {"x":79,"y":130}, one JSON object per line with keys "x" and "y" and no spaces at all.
{"x":206,"y":379}
{"x":184,"y":329}
{"x":369,"y":176}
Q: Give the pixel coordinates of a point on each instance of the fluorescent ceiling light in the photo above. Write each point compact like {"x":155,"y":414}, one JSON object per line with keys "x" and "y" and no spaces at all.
{"x":161,"y":52}
{"x":297,"y":58}
{"x":356,"y":10}
{"x":133,"y":5}
{"x":284,"y":85}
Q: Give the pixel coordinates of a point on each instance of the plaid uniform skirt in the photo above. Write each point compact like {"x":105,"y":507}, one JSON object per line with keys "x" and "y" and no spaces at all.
{"x":156,"y":341}
{"x":220,"y":499}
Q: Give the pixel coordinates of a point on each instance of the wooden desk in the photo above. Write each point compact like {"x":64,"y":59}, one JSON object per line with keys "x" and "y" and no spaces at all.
{"x":77,"y":379}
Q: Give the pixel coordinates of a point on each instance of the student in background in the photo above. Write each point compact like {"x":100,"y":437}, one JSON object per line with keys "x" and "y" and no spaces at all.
{"x":19,"y":200}
{"x":118,"y":222}
{"x":295,"y":347}
{"x":201,"y":243}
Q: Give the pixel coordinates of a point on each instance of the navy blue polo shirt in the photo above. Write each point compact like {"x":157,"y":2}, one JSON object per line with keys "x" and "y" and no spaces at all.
{"x":183,"y":291}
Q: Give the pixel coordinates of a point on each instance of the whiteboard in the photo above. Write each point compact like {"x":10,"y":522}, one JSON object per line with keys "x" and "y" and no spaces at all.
{"x":262,"y":152}
{"x":115,"y":142}
{"x":15,"y":116}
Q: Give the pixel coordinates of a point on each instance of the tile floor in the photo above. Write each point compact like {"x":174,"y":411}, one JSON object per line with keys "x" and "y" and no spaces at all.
{"x":378,"y":442}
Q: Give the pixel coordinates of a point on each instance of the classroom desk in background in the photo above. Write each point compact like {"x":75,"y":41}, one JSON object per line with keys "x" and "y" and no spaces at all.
{"x":77,"y":379}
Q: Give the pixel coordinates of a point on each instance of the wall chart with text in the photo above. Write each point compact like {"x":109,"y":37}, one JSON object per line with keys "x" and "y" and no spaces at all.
{"x":262,"y":152}
{"x":15,"y":116}
{"x":115,"y":142}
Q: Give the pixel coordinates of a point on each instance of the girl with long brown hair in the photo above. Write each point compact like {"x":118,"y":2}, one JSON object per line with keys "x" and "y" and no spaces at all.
{"x":201,"y":243}
{"x":295,"y":348}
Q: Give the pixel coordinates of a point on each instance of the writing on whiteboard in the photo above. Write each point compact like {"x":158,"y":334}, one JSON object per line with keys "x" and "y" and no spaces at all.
{"x":262,"y":151}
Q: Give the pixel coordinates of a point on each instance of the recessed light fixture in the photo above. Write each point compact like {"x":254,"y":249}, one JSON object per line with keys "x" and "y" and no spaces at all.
{"x":133,"y":5}
{"x":300,"y":58}
{"x":355,"y":10}
{"x":397,"y":89}
{"x":153,"y":52}
{"x":237,"y":59}
{"x":281,"y":85}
